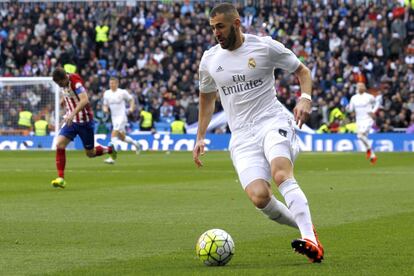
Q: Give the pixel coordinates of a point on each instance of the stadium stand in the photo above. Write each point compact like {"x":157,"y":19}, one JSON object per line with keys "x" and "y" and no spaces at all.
{"x":155,"y":49}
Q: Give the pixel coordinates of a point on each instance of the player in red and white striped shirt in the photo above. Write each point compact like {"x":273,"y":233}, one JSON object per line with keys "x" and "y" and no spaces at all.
{"x":78,"y":120}
{"x":72,"y":99}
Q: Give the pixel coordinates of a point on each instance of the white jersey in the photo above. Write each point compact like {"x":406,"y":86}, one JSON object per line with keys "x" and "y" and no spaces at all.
{"x":244,"y":78}
{"x":362,"y":104}
{"x":116,"y":101}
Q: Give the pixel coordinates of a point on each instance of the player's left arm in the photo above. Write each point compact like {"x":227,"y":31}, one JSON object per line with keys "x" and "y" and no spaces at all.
{"x":374,"y":107}
{"x":127,"y":97}
{"x":303,"y":108}
{"x":283,"y":58}
{"x":131,"y":105}
{"x":372,"y":115}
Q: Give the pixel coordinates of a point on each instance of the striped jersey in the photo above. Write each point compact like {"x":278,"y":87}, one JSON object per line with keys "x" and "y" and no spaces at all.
{"x":71,"y":99}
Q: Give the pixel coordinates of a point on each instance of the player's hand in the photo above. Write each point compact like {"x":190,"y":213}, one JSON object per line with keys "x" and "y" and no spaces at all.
{"x":302,"y":111}
{"x":197,"y":152}
{"x":69,"y":119}
{"x":372,"y":115}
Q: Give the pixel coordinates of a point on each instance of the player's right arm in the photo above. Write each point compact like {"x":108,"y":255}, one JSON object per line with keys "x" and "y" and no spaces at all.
{"x":105,"y":106}
{"x":206,"y":110}
{"x":208,"y":90}
{"x":351,"y":107}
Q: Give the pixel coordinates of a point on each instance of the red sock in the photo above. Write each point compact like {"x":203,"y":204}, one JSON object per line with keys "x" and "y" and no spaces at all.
{"x":61,"y":161}
{"x":99,"y":150}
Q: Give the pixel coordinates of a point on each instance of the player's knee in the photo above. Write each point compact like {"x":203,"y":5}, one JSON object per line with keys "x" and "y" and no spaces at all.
{"x":90,"y":153}
{"x":260,"y":197}
{"x":361,"y":135}
{"x":260,"y":201}
{"x":60,"y":146}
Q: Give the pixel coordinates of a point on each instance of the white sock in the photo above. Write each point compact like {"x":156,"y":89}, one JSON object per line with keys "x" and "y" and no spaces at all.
{"x":114,"y":139}
{"x":364,"y":140}
{"x":129,"y":140}
{"x":298,"y":206}
{"x":277,"y":211}
{"x":372,"y":153}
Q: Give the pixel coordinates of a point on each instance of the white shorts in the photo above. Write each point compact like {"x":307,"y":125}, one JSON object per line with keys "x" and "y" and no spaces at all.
{"x":364,"y":126}
{"x":119,"y":124}
{"x":252,"y":150}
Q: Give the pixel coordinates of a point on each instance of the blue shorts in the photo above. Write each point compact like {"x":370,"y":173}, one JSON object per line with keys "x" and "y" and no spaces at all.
{"x":84,"y":130}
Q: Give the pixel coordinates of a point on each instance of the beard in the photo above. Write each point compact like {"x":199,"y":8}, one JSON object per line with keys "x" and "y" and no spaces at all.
{"x":230,"y":41}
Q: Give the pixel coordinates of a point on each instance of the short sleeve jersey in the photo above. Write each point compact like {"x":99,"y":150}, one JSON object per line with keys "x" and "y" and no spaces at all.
{"x":116,"y":101}
{"x":244,"y":78}
{"x":362,"y":104}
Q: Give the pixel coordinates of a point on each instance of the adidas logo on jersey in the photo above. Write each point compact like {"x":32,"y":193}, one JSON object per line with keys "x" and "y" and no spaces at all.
{"x":219,"y":69}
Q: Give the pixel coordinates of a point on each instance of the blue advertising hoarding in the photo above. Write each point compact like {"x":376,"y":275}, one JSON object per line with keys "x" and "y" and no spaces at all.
{"x":382,"y":142}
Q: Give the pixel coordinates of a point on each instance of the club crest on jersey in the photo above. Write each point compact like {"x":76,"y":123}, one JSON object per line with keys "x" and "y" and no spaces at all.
{"x":251,"y":63}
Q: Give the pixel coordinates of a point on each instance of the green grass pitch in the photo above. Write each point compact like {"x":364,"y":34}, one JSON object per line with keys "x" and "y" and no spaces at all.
{"x":143,"y":216}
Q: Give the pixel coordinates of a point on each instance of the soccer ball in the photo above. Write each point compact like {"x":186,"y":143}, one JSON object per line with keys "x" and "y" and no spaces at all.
{"x":215,"y":247}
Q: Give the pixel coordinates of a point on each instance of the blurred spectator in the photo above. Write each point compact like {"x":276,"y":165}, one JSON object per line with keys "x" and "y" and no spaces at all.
{"x":25,"y":121}
{"x":101,"y":36}
{"x":166,"y":112}
{"x":146,"y":120}
{"x":156,"y":47}
{"x":41,"y":127}
{"x":178,"y":126}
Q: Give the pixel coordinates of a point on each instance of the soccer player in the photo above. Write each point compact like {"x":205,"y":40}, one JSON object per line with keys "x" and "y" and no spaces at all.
{"x":263,"y":145}
{"x":364,"y":105}
{"x":115,"y":100}
{"x":78,"y":120}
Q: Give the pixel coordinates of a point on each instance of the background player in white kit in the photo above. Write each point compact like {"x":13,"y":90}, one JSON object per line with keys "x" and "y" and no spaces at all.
{"x":364,"y":106}
{"x":115,"y":100}
{"x":263,"y":144}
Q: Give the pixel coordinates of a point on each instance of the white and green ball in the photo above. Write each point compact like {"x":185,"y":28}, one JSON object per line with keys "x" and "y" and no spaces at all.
{"x":215,"y":247}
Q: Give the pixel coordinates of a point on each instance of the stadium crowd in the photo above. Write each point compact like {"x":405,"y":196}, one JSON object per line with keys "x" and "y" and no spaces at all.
{"x":154,"y":48}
